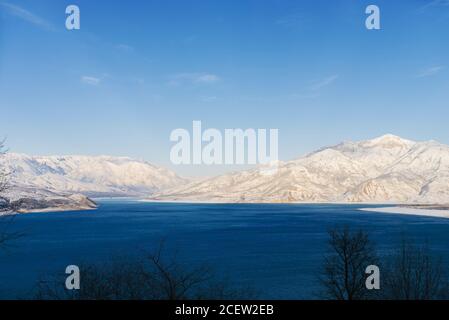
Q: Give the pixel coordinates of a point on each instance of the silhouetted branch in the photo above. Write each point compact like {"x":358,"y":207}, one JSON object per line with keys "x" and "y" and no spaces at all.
{"x":153,"y":278}
{"x":413,"y":273}
{"x":350,"y":252}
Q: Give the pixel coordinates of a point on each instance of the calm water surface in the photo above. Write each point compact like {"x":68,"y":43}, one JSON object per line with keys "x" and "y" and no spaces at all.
{"x":275,"y":248}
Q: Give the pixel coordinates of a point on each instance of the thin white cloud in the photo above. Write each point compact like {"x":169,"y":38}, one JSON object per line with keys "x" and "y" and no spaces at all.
{"x":431,"y":71}
{"x":317,"y":85}
{"x":308,"y":95}
{"x":314,"y":89}
{"x":196,"y":78}
{"x":436,"y":3}
{"x":93,"y":81}
{"x":125,"y":47}
{"x":207,"y":78}
{"x":25,"y":15}
{"x":208,"y":98}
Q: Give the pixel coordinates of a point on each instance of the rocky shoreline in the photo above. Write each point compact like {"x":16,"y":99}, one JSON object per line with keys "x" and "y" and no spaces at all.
{"x":28,"y":200}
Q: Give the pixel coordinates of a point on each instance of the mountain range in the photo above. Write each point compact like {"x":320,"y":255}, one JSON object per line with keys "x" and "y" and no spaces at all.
{"x":65,"y":182}
{"x":387,"y":169}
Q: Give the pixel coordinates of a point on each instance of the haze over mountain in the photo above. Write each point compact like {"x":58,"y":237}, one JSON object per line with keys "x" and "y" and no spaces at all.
{"x":382,"y":170}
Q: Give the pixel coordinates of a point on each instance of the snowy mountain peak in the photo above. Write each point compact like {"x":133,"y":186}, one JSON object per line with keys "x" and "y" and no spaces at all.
{"x":89,"y":175}
{"x":384,"y":169}
{"x":389,"y":141}
{"x":389,"y":137}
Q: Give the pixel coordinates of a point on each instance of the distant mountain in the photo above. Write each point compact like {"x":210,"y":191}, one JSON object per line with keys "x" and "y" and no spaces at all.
{"x":65,"y":183}
{"x":91,"y":176}
{"x":385,"y":169}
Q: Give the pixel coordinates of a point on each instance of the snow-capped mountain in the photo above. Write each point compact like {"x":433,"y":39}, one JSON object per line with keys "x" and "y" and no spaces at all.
{"x":91,"y":176}
{"x":385,"y":169}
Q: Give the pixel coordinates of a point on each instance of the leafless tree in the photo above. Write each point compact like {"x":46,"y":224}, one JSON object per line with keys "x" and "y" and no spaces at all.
{"x":153,"y":278}
{"x":119,"y":279}
{"x":343,"y":276}
{"x":172,"y":279}
{"x":413,"y":273}
{"x":6,"y":236}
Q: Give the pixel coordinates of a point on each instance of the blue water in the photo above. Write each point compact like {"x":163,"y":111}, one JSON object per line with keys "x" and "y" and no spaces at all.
{"x":275,"y":248}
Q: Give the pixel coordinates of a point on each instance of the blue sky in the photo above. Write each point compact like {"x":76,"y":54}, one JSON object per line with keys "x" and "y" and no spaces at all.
{"x":139,"y":69}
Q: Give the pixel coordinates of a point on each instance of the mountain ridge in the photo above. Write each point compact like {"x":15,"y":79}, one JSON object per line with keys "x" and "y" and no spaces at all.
{"x":386,"y":169}
{"x":89,"y":175}
{"x":62,"y":183}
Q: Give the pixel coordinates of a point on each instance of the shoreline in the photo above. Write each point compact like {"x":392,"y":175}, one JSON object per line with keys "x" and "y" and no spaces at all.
{"x":149,"y":200}
{"x":413,"y":210}
{"x":425,"y":210}
{"x":47,"y":210}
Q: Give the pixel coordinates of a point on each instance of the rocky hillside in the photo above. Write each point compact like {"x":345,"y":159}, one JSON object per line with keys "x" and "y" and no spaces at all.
{"x":381,"y":170}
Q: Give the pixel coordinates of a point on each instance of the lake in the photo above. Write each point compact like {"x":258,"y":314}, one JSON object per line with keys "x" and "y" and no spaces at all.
{"x":276,"y":249}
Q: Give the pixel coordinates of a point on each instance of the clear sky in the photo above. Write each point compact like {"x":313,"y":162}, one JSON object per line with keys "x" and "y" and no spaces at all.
{"x":139,"y":69}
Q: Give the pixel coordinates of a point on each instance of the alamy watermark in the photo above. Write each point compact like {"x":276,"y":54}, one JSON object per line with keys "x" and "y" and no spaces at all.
{"x":72,"y":282}
{"x":73,"y":20}
{"x":235,"y":146}
{"x":372,"y":22}
{"x":373,"y":280}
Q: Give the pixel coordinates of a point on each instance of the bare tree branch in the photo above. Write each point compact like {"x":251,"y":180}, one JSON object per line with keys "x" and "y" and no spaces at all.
{"x":414,"y":273}
{"x":344,"y":267}
{"x":153,"y":278}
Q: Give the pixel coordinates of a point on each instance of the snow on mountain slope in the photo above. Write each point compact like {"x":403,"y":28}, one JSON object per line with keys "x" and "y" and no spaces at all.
{"x":93,"y":176}
{"x":385,"y":169}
